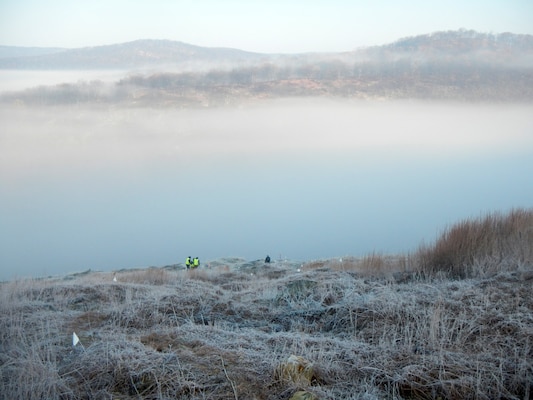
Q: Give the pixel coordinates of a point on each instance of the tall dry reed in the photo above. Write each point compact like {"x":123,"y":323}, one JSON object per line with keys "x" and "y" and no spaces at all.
{"x":486,"y":243}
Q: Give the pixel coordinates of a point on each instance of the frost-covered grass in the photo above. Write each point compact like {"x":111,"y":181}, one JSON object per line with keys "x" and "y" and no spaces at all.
{"x":381,"y":327}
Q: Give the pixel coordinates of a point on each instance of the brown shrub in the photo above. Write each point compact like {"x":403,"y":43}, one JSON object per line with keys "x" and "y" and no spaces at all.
{"x":488,"y":242}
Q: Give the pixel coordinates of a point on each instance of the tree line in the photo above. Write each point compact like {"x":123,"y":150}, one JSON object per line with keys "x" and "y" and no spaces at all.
{"x":384,"y":75}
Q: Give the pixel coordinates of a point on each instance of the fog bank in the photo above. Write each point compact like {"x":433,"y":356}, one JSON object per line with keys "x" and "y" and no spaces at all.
{"x":111,"y":188}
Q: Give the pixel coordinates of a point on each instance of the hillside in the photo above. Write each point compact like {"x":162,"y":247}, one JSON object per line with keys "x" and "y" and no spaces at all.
{"x":130,"y":55}
{"x":453,"y":321}
{"x":466,"y":42}
{"x":457,"y":65}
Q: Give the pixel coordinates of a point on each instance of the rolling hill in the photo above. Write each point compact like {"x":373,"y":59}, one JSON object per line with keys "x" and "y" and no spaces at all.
{"x":136,"y":54}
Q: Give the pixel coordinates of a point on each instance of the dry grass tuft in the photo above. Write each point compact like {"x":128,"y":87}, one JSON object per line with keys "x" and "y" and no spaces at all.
{"x":303,"y":395}
{"x":150,"y":276}
{"x":374,"y":264}
{"x":296,"y":370}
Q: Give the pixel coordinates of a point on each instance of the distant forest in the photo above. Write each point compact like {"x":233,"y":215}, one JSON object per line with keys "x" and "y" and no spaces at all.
{"x":398,"y":79}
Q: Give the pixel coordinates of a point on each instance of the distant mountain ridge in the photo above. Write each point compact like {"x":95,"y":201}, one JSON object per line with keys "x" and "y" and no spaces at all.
{"x":136,"y":54}
{"x":157,"y":53}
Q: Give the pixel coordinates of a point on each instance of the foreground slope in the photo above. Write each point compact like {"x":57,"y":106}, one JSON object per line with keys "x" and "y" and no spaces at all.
{"x":227,"y":331}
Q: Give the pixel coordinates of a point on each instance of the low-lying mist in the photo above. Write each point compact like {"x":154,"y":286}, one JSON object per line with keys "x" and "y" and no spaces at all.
{"x":109,"y":187}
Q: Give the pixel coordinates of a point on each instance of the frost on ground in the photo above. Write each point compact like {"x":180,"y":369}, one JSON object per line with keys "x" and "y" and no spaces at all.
{"x":227,"y":332}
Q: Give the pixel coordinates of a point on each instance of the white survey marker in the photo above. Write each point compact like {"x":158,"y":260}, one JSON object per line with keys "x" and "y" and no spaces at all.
{"x":75,"y":339}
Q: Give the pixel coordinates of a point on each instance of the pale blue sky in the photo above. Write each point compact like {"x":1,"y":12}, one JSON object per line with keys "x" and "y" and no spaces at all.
{"x":262,"y":26}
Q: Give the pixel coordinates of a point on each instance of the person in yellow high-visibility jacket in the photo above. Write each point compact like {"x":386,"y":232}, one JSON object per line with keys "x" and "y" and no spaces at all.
{"x":188,"y":262}
{"x":195,"y":262}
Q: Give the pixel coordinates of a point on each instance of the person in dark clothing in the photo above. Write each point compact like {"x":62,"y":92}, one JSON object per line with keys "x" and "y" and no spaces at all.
{"x":267,"y":259}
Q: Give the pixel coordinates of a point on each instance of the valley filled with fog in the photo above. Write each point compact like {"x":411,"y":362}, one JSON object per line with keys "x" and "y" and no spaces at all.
{"x":105,"y":188}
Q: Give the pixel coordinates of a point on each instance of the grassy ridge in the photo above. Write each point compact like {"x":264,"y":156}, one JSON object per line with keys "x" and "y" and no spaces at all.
{"x":453,"y":320}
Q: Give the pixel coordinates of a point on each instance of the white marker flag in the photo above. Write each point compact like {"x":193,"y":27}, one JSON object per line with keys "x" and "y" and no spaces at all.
{"x":75,"y":339}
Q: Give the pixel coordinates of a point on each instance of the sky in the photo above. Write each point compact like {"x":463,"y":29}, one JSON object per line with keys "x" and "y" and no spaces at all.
{"x":273,"y":26}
